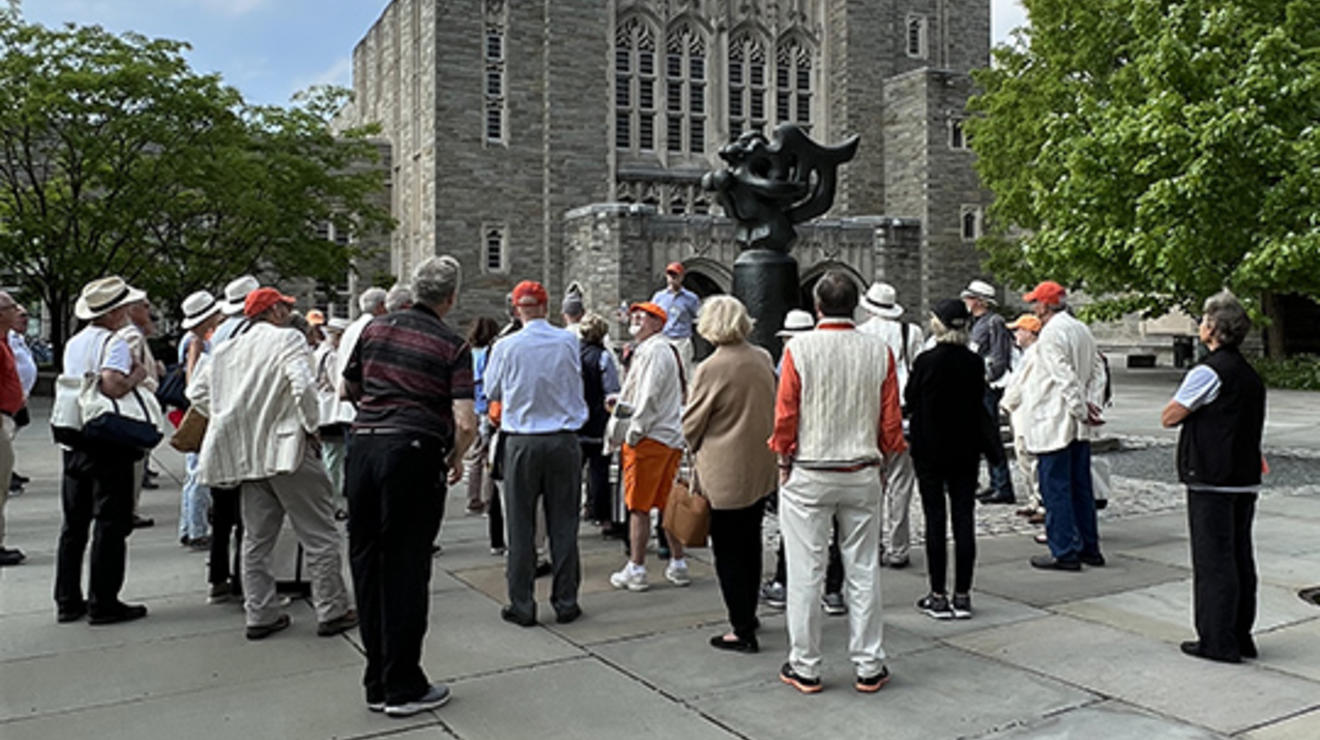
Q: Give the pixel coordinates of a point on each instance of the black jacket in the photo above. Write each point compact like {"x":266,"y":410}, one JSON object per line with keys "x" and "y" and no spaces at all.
{"x":945,"y":397}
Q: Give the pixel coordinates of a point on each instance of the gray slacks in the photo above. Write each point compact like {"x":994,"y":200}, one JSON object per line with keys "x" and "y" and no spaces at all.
{"x":549,"y":466}
{"x":305,"y":495}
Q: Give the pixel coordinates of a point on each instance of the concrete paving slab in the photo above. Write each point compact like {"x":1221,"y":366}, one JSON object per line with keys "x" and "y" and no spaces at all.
{"x":1164,"y":611}
{"x":1120,"y":722}
{"x":41,"y":685}
{"x":467,"y":637}
{"x":1295,"y":506}
{"x":321,"y":704}
{"x":1302,"y":727}
{"x":596,"y":569}
{"x":35,"y":634}
{"x":988,"y":611}
{"x":615,"y":614}
{"x":937,"y":693}
{"x":683,"y":664}
{"x":1294,"y":649}
{"x":1146,"y":672}
{"x":1021,"y":582}
{"x":526,"y":703}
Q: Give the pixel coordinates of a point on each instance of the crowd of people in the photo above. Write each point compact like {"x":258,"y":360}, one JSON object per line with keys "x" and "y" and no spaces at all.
{"x":315,"y":419}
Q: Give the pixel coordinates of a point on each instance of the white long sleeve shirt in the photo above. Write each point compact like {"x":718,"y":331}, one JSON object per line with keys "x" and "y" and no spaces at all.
{"x":654,"y":390}
{"x":1059,"y":376}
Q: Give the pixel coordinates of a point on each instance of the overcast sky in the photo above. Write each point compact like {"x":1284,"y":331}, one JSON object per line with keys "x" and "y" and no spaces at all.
{"x":270,"y":49}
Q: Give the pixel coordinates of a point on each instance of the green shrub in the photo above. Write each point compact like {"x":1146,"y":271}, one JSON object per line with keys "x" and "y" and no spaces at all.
{"x":1298,"y":373}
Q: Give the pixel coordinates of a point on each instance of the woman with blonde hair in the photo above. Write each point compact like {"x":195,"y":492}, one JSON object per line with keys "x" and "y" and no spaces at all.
{"x":729,"y":415}
{"x":950,"y":430}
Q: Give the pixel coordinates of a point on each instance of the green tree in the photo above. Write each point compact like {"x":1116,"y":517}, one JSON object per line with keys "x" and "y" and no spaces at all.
{"x":116,"y":158}
{"x":1154,"y":151}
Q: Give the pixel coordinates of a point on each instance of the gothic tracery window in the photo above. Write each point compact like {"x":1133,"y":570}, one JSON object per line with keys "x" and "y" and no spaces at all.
{"x":747,"y":85}
{"x":634,"y":86}
{"x":793,"y":84}
{"x":685,"y":91}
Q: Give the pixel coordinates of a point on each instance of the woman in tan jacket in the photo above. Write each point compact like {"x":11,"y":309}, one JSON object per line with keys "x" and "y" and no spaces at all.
{"x":729,"y":416}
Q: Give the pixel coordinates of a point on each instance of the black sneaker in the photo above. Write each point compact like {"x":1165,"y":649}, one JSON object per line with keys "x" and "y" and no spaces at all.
{"x":872,"y":684}
{"x":434,"y":698}
{"x":935,"y":606}
{"x":801,"y":683}
{"x":962,"y":606}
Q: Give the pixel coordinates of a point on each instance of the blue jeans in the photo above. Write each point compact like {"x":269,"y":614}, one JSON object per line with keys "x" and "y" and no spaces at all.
{"x":1065,"y":485}
{"x":1001,"y":481}
{"x":194,"y":503}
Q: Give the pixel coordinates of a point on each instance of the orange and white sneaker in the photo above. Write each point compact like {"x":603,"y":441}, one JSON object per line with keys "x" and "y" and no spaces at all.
{"x":801,"y":683}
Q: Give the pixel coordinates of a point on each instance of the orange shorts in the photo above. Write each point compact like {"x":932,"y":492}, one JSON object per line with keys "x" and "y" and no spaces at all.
{"x":648,"y":472}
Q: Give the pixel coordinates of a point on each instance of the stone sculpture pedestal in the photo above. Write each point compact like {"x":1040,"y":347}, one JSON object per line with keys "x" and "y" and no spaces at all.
{"x":766,"y":281}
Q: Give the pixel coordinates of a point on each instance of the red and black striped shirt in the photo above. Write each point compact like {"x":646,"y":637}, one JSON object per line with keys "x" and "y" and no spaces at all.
{"x":411,"y":366}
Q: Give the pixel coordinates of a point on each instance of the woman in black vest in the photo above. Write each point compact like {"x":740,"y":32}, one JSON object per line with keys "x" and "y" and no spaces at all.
{"x":599,"y":379}
{"x":1221,"y":407}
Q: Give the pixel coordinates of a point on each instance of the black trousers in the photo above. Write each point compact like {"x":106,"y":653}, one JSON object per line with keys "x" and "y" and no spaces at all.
{"x":1223,"y":570}
{"x":396,"y":498}
{"x":598,"y":482}
{"x":226,"y":516}
{"x":495,"y":517}
{"x":735,"y":541}
{"x":97,"y":492}
{"x":833,"y":570}
{"x":960,"y":483}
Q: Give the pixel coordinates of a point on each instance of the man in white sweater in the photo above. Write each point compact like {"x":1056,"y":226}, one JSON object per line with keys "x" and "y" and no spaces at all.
{"x":837,"y":421}
{"x":259,"y":393}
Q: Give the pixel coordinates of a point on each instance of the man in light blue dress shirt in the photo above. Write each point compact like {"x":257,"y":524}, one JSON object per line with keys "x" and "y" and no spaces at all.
{"x":536,"y":375}
{"x":682,"y":306}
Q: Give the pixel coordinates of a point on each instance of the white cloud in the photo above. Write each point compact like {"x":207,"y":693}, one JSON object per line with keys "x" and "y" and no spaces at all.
{"x":340,"y":72}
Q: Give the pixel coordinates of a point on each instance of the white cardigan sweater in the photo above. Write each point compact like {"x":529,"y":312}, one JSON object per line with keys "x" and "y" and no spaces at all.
{"x":259,"y":394}
{"x":1059,"y":375}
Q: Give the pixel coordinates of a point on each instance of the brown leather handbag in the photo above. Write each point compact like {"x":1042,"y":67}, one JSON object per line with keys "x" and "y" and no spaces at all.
{"x":687,"y":513}
{"x":192,"y":428}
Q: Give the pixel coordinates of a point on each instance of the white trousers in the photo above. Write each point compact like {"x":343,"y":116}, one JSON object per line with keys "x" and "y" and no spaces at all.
{"x":809,"y":503}
{"x":7,"y":432}
{"x":900,"y":480}
{"x":306,"y":496}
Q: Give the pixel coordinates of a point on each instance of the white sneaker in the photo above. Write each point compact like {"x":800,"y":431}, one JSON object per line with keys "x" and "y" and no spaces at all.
{"x":677,"y":574}
{"x":629,"y":579}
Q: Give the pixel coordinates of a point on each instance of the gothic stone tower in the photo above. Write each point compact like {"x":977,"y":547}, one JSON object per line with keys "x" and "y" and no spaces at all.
{"x":508,"y":118}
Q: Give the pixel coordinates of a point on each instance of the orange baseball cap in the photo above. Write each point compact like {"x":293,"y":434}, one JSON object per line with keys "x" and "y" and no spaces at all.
{"x":263,"y":298}
{"x":650,"y":308}
{"x":1028,"y":322}
{"x":530,"y":293}
{"x":315,"y":317}
{"x":674,"y":268}
{"x":1048,"y":292}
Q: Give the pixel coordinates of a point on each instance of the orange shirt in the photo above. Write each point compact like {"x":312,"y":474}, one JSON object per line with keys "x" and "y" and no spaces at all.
{"x":789,"y":398}
{"x":11,"y":390}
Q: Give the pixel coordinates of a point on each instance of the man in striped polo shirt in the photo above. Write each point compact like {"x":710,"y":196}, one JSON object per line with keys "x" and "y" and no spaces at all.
{"x":411,"y":377}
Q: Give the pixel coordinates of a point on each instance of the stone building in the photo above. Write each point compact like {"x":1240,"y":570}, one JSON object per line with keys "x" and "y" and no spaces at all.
{"x":564,"y":140}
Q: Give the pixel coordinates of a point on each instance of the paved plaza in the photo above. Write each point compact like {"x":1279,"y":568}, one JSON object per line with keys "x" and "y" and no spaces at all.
{"x":1048,"y":654}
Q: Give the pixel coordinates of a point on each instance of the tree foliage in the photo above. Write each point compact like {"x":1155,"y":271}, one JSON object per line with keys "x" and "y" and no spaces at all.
{"x":117,"y":158}
{"x":1154,"y":151}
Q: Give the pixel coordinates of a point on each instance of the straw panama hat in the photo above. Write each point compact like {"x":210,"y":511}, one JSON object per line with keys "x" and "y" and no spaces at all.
{"x":100,"y":297}
{"x":198,"y":307}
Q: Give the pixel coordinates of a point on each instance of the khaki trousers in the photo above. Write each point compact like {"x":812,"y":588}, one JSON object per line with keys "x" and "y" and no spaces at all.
{"x":900,"y":480}
{"x":809,"y":503}
{"x":307,"y":498}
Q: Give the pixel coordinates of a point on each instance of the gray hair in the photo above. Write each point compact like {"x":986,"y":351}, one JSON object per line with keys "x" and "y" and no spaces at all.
{"x":1229,"y":322}
{"x":945,"y":335}
{"x":435,"y":279}
{"x":723,"y":320}
{"x":399,"y":297}
{"x":371,"y":299}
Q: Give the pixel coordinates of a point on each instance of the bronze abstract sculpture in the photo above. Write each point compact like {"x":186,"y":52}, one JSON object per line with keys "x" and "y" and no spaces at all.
{"x":772,"y":184}
{"x":768,"y":186}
